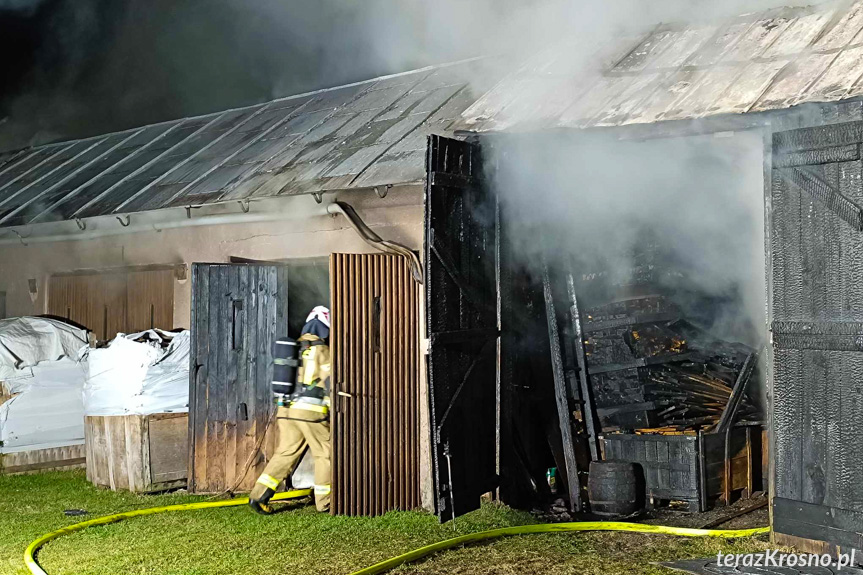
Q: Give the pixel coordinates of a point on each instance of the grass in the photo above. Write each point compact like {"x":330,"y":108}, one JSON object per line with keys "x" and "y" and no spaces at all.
{"x":298,"y":540}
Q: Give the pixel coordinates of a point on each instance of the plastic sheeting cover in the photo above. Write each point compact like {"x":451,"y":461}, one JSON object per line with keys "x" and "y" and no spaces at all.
{"x":130,"y":377}
{"x":27,"y":341}
{"x":48,"y":411}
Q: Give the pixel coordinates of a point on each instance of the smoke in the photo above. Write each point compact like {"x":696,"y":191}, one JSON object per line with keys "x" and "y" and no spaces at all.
{"x":688,"y":212}
{"x":83,"y":67}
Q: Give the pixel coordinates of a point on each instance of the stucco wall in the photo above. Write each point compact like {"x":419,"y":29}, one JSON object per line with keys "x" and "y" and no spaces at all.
{"x":396,"y":217}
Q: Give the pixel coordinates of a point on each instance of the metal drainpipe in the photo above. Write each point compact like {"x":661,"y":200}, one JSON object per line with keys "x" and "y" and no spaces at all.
{"x":374,"y":240}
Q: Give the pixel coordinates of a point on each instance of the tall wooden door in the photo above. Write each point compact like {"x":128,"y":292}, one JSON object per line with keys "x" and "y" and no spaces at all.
{"x":816,"y":249}
{"x":462,"y":291}
{"x":238,"y":310}
{"x":375,"y":387}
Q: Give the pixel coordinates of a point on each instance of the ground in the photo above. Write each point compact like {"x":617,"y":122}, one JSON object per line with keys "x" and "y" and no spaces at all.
{"x":298,"y":540}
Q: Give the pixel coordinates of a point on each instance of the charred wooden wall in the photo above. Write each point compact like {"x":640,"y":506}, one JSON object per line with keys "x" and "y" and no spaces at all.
{"x":816,"y":258}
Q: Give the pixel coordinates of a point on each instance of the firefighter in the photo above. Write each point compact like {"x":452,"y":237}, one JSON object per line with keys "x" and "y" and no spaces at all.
{"x":302,"y":419}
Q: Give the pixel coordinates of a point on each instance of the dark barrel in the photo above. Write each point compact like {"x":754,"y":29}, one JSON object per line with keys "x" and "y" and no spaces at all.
{"x":616,"y":488}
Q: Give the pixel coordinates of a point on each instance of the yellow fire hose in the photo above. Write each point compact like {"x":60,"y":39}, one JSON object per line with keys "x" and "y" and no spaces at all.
{"x":35,"y":569}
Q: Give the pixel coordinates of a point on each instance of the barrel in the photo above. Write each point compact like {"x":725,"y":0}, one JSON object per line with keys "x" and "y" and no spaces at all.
{"x":616,"y":488}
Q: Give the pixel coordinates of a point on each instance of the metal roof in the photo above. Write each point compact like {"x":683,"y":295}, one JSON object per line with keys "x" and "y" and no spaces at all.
{"x":361,"y":135}
{"x":752,"y":63}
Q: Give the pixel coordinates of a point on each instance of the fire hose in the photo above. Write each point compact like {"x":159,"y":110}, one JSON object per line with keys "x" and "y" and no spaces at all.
{"x":410,"y":556}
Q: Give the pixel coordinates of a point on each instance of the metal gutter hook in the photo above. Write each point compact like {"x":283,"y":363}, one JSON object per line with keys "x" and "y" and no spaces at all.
{"x":127,"y":222}
{"x":382,"y":191}
{"x":319,"y":197}
{"x":244,"y":205}
{"x":81,"y":225}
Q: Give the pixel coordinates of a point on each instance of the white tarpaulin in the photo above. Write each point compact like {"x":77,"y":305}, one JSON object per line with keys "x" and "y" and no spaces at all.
{"x":27,"y":341}
{"x":48,"y":412}
{"x":139,"y":377}
{"x":39,"y":367}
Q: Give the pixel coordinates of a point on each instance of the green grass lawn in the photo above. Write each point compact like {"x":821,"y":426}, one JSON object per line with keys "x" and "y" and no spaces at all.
{"x":298,"y":540}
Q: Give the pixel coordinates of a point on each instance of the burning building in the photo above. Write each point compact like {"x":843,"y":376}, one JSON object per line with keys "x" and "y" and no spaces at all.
{"x":527,"y":330}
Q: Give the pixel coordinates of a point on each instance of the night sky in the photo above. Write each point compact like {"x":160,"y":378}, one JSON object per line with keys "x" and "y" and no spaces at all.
{"x":75,"y":68}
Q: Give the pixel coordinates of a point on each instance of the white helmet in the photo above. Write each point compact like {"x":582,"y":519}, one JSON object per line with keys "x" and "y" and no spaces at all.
{"x":320,"y":313}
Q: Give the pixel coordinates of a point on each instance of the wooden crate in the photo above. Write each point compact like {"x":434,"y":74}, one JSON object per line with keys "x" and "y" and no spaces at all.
{"x":141,"y":453}
{"x":701,"y":470}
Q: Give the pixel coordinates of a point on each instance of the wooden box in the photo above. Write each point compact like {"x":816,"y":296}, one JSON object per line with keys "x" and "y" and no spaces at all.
{"x":141,"y":453}
{"x":700,"y":470}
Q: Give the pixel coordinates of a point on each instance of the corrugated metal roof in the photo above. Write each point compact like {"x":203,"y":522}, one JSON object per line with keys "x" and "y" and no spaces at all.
{"x":362,"y":135}
{"x":751,"y":63}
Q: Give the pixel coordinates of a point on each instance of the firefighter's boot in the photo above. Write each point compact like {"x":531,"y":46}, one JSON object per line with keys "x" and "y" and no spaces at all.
{"x":261,"y":503}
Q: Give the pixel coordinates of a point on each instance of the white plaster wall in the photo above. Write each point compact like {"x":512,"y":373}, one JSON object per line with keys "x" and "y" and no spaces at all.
{"x":398,"y":217}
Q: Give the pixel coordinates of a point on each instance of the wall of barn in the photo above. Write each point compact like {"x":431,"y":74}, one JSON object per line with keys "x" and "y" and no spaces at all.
{"x":397,"y":217}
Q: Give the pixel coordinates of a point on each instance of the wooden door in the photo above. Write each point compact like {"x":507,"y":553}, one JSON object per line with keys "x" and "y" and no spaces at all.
{"x":462,"y":292}
{"x":816,"y":258}
{"x":238,"y":310}
{"x":375,"y":345}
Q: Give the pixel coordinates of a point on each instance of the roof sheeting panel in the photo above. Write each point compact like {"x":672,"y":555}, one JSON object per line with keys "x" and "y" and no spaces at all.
{"x":312,"y":142}
{"x":845,"y":29}
{"x":755,"y":62}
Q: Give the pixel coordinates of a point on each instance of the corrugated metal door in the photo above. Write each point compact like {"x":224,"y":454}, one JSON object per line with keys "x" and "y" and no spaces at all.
{"x":375,"y":345}
{"x":816,"y":243}
{"x":462,"y":289}
{"x":237,"y":312}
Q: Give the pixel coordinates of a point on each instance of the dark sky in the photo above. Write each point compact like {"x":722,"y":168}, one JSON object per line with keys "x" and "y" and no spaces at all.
{"x":81,"y":67}
{"x":74,"y":68}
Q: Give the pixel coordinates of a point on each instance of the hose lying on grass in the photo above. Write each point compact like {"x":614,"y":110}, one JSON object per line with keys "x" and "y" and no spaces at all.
{"x":382,"y":567}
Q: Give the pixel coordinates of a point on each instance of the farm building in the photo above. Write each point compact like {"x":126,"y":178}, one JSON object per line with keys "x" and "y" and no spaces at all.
{"x":218,"y":223}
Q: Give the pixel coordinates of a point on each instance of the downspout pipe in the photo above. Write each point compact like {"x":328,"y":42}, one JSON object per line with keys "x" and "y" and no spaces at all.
{"x":373,"y":239}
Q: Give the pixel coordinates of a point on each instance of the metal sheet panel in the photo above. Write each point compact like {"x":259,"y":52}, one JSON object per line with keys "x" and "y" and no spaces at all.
{"x":754,"y":62}
{"x":285,"y":146}
{"x":375,"y":345}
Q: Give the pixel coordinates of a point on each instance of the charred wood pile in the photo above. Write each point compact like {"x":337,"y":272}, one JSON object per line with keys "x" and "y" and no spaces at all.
{"x":650,"y":368}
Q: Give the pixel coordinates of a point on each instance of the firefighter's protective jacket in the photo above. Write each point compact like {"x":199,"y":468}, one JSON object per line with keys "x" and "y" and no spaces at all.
{"x":311,"y":400}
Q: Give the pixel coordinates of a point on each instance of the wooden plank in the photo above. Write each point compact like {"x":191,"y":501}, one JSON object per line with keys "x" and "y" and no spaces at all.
{"x":64,"y":457}
{"x":216,"y":400}
{"x":263,"y":399}
{"x":560,"y":395}
{"x":818,"y":522}
{"x":804,"y":545}
{"x":737,"y":393}
{"x":588,"y":411}
{"x":234,"y":335}
{"x":150,"y":300}
{"x":242,"y":439}
{"x":199,"y":374}
{"x":251,"y":394}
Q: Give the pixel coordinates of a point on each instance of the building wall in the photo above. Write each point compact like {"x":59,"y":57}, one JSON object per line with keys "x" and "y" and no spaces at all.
{"x":397,"y":217}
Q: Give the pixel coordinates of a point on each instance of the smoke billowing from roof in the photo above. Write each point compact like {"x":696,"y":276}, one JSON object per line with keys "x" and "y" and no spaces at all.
{"x":83,"y":67}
